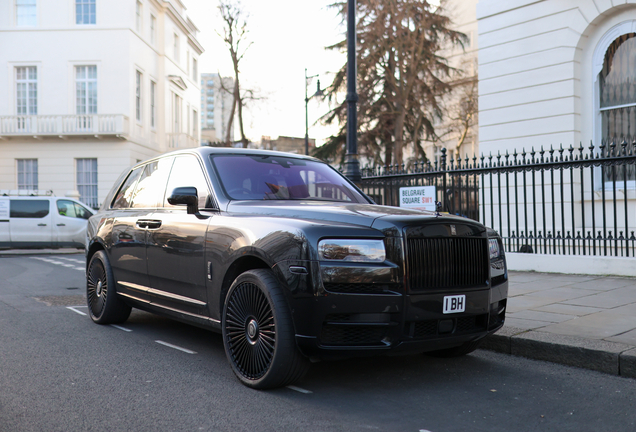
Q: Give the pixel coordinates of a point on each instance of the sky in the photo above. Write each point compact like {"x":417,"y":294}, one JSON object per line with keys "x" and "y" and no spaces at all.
{"x":287,"y":36}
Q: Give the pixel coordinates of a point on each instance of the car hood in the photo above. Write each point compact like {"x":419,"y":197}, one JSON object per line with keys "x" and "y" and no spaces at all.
{"x":355,"y":214}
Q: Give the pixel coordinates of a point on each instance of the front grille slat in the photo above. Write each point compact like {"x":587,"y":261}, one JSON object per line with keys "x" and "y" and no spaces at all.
{"x":439,"y":263}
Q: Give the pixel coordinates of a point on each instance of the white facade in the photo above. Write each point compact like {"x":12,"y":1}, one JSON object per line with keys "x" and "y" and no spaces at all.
{"x":115,"y":82}
{"x":539,"y":65}
{"x":216,"y":105}
{"x":541,"y":68}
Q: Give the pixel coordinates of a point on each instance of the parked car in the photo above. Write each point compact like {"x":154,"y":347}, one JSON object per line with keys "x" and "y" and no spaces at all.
{"x":42,"y":222}
{"x":290,"y":262}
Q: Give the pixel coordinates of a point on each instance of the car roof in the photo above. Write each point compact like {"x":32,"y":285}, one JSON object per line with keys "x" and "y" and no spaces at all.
{"x":207,"y":151}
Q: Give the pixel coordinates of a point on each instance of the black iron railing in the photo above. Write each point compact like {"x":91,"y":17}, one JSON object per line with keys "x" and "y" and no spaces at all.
{"x":574,"y":201}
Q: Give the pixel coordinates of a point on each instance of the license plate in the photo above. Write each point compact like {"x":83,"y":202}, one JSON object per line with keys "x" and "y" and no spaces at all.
{"x":454,"y":304}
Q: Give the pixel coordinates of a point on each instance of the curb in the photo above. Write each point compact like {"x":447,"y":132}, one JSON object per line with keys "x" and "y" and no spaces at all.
{"x":599,"y":355}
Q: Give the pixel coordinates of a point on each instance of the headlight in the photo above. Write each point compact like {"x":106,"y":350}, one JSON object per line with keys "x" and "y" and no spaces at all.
{"x":352,"y":250}
{"x":493,"y":245}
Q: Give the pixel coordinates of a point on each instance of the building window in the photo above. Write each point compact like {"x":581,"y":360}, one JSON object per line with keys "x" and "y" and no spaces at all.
{"x":618,"y":98}
{"x":27,"y":174}
{"x":138,"y":18}
{"x":195,"y":69}
{"x":26,"y":12}
{"x":84,"y":11}
{"x":153,"y":91}
{"x":176,"y":113}
{"x":87,"y":181}
{"x":195,"y":119}
{"x":175,"y":48}
{"x":138,"y":96}
{"x":153,"y":29}
{"x":187,"y":125}
{"x":26,"y":86}
{"x":86,"y":91}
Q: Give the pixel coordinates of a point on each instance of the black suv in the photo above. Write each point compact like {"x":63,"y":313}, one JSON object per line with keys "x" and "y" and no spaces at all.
{"x":290,"y":261}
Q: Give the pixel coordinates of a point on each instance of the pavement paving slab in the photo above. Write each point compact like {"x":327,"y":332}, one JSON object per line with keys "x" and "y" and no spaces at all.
{"x":541,"y":316}
{"x":626,"y":338}
{"x":600,"y":325}
{"x":563,"y":293}
{"x":606,"y":283}
{"x":608,"y":300}
{"x":566,"y":309}
{"x":526,"y":324}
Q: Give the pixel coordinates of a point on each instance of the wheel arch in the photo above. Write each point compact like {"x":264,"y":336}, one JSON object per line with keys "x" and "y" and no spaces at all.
{"x":92,"y":248}
{"x":241,"y":265}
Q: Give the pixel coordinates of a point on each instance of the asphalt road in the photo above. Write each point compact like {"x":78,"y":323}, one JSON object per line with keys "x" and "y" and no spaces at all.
{"x":61,"y":372}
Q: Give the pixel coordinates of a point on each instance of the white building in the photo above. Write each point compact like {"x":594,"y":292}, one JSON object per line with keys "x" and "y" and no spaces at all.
{"x":555,"y":72}
{"x":88,"y":88}
{"x":546,"y":75}
{"x":216,"y":105}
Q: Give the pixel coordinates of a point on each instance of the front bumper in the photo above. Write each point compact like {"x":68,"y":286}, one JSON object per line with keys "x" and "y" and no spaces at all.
{"x":346,"y":325}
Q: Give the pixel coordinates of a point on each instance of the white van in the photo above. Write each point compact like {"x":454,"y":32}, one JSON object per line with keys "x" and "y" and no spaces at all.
{"x":42,"y":222}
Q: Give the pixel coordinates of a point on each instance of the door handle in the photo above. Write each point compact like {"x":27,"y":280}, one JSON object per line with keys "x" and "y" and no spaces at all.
{"x":41,"y":224}
{"x":148,"y":223}
{"x":61,"y":224}
{"x":153,"y":224}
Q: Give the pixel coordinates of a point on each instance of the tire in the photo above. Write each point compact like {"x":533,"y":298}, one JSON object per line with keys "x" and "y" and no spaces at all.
{"x":104,"y":307}
{"x":462,"y":350}
{"x":258,"y":333}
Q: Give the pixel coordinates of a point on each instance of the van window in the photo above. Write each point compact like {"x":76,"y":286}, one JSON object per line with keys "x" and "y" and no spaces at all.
{"x":124,"y":196}
{"x":72,"y":209}
{"x":29,"y":208}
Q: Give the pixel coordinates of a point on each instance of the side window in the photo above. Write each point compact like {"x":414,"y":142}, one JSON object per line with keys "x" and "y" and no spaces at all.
{"x":82,"y":212}
{"x":72,"y":209}
{"x":152,"y":184}
{"x":29,"y":208}
{"x":66,"y":208}
{"x":123,"y":199}
{"x":187,"y":171}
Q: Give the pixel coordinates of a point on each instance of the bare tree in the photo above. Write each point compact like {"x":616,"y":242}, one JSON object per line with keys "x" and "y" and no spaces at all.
{"x":235,"y":37}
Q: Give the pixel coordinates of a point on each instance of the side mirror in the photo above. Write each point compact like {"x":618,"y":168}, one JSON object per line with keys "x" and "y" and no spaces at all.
{"x":185,"y":196}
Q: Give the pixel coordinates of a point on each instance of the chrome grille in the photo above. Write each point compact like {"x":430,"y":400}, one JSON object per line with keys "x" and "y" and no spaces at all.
{"x":440,"y":263}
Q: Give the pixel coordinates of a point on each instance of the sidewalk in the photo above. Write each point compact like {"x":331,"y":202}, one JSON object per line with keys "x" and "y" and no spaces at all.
{"x":584,"y":321}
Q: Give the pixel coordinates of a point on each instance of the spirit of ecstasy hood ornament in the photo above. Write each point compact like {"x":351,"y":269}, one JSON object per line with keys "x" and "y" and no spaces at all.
{"x":438,"y":207}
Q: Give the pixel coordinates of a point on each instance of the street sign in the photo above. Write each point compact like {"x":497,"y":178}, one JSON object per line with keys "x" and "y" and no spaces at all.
{"x":418,"y":197}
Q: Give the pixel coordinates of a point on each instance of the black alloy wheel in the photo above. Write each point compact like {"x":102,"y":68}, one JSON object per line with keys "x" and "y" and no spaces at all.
{"x":258,"y":332}
{"x":104,"y":307}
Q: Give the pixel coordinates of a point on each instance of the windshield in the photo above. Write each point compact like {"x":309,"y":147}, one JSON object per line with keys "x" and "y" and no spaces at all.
{"x":263,"y":177}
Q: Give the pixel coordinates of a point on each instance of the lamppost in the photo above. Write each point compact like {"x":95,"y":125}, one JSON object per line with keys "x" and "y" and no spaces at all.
{"x":351,"y":164}
{"x":318,"y":93}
